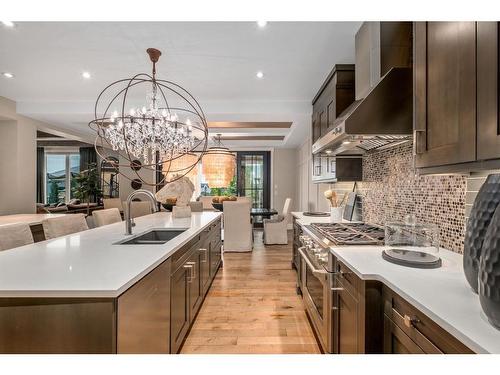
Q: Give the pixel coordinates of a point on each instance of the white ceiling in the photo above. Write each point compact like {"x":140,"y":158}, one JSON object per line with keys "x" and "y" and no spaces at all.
{"x":215,"y":61}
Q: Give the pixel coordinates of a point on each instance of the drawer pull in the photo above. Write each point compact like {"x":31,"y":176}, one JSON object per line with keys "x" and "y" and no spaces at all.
{"x":337,"y":289}
{"x":407,"y":320}
{"x":205,"y":258}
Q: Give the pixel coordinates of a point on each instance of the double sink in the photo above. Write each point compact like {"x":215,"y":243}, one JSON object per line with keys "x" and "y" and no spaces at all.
{"x":152,"y":237}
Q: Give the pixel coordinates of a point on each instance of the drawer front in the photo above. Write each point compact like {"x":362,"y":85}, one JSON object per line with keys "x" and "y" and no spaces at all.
{"x":396,"y":341}
{"x":426,"y":333}
{"x":179,"y":257}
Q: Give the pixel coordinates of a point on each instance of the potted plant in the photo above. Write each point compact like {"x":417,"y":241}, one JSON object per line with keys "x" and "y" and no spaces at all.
{"x":87,"y":185}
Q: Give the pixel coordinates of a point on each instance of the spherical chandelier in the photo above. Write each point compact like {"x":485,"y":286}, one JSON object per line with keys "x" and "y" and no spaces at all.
{"x":218,"y":165}
{"x":168,"y":127}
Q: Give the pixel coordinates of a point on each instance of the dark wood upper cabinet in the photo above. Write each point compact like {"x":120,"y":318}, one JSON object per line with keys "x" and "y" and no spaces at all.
{"x":488,"y":131}
{"x":333,"y":97}
{"x":445,"y":93}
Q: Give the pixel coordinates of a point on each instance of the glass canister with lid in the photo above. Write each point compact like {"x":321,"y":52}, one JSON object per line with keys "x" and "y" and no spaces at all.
{"x":412,"y":244}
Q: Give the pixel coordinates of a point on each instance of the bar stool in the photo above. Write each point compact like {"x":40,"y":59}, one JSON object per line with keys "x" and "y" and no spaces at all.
{"x":60,"y":226}
{"x":105,"y":217}
{"x":15,"y":235}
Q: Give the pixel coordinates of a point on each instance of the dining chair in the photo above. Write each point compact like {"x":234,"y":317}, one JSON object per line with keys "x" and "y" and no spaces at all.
{"x":15,"y":235}
{"x":237,"y":227}
{"x":275,"y":229}
{"x":105,"y":217}
{"x":112,"y":203}
{"x":62,"y":225}
{"x":139,"y":208}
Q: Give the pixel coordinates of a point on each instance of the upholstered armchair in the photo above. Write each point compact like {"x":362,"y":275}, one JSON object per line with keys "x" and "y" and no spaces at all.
{"x":275,"y":229}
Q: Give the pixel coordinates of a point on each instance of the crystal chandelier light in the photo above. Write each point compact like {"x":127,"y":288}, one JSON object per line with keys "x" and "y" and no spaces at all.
{"x":168,"y":127}
{"x":218,"y":165}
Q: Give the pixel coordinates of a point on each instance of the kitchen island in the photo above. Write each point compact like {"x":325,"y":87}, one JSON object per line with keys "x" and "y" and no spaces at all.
{"x":84,"y":293}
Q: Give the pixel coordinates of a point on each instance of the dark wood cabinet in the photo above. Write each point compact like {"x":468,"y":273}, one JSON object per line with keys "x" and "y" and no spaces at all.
{"x":456,"y":96}
{"x":179,"y":313}
{"x":143,"y":324}
{"x":396,"y":341}
{"x":334,"y":96}
{"x":407,"y":330}
{"x":445,"y":87}
{"x":204,"y":251}
{"x":195,"y":289}
{"x":195,"y":269}
{"x":346,"y":321}
{"x":488,"y":126}
{"x":215,"y":251}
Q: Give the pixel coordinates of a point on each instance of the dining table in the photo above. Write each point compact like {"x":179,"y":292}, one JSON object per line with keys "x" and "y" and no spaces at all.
{"x":262,"y":212}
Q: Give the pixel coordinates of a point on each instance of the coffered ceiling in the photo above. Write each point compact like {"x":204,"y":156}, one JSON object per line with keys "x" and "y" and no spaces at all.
{"x":216,"y":61}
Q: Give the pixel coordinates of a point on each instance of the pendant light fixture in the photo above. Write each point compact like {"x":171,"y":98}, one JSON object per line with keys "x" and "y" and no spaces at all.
{"x":182,"y":165}
{"x":169,"y":126}
{"x":218,"y":165}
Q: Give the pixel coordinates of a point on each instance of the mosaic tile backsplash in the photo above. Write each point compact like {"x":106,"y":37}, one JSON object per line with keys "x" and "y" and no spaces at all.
{"x":391,"y":190}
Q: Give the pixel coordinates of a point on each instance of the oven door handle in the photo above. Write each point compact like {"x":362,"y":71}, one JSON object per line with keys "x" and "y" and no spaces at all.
{"x":316,"y":272}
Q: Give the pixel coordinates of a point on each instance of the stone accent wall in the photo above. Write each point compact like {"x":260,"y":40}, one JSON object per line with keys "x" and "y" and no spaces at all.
{"x":391,"y":190}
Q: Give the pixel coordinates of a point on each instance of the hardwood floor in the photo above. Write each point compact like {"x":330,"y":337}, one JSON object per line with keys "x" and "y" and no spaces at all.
{"x":252,"y":307}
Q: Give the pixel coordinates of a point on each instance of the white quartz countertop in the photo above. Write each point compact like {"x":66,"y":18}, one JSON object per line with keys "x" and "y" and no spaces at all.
{"x":30,"y":219}
{"x":443,"y":294}
{"x":89,"y":264}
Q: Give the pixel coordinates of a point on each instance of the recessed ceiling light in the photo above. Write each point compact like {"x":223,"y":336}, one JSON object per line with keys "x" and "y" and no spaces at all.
{"x":8,"y":75}
{"x":346,"y":142}
{"x":86,"y":75}
{"x":8,"y":23}
{"x":328,"y":151}
{"x":260,"y":74}
{"x":261,"y":23}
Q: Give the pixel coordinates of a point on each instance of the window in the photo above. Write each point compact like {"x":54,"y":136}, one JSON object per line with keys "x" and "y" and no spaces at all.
{"x":60,"y":170}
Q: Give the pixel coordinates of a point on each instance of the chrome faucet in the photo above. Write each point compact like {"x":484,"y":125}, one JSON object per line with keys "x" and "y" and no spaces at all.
{"x":128,"y":218}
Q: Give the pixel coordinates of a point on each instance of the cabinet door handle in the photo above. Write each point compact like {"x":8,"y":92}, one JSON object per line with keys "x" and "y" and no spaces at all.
{"x":205,"y":258}
{"x":192,"y":270}
{"x":417,"y":141}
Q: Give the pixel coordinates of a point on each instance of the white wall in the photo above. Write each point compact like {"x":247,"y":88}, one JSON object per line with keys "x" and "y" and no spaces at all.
{"x":310,"y":196}
{"x":17,"y":160}
{"x":284,"y":178}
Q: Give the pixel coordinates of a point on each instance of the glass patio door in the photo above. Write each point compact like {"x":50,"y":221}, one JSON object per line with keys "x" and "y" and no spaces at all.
{"x":253,"y":177}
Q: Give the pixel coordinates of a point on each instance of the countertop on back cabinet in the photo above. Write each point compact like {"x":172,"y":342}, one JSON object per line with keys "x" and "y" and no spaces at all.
{"x":89,"y":264}
{"x":443,"y":294}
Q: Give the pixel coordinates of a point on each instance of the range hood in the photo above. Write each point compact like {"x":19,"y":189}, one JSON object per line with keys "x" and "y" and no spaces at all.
{"x":382,"y":119}
{"x":382,"y":114}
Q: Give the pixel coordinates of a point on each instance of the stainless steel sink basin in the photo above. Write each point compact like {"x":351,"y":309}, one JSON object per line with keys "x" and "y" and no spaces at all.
{"x":152,"y":237}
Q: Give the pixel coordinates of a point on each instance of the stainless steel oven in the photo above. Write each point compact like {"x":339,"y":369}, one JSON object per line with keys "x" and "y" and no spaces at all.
{"x":316,"y":284}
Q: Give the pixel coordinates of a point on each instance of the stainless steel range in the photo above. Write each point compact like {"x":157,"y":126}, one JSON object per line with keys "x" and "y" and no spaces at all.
{"x":317,"y":268}
{"x":351,"y":233}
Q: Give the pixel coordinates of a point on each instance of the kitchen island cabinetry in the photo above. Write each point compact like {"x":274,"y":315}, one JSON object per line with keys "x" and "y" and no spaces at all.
{"x":107,"y":297}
